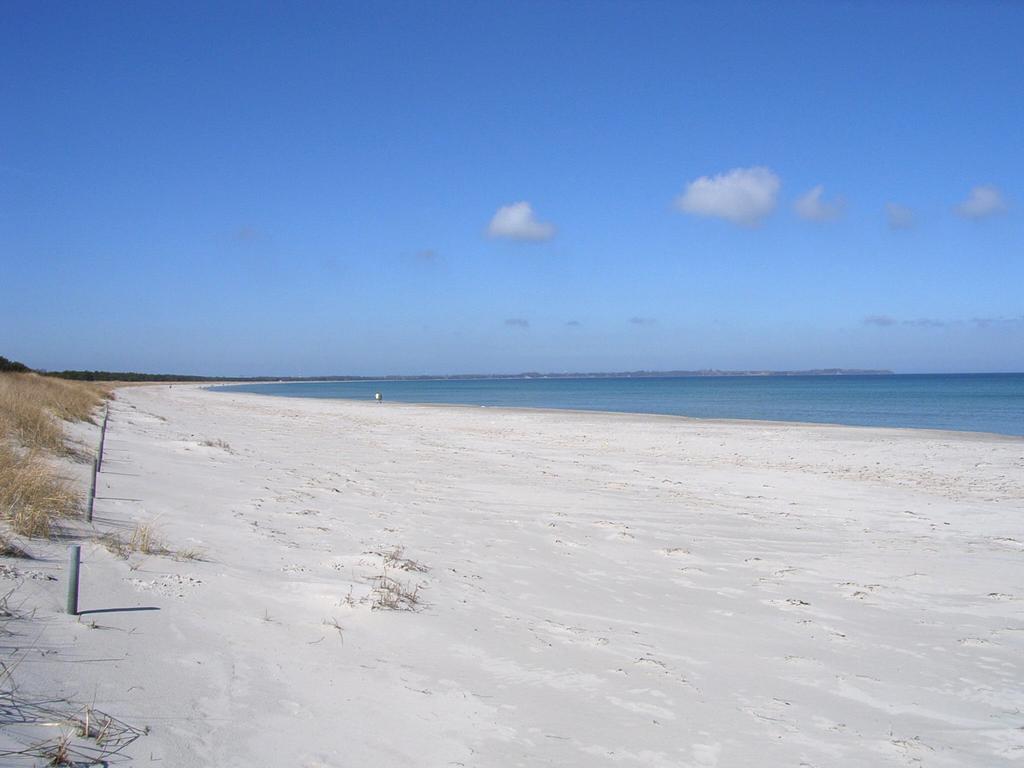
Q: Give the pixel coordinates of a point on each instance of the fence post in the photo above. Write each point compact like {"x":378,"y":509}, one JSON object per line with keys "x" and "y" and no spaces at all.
{"x":92,"y":491}
{"x":103,"y":439}
{"x":74,"y":561}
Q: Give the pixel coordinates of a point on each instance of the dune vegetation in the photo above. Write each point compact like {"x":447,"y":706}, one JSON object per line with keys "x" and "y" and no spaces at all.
{"x":33,"y":409}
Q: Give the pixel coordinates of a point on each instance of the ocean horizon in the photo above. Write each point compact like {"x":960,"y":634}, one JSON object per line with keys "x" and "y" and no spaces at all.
{"x":972,"y":402}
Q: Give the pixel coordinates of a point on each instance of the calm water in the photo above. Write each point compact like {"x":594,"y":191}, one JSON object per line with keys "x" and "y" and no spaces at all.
{"x":973,"y":402}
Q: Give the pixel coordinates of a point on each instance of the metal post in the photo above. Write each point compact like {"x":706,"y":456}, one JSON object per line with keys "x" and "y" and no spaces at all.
{"x":99,"y":455}
{"x":74,"y":561}
{"x":103,"y":438}
{"x":92,"y":492}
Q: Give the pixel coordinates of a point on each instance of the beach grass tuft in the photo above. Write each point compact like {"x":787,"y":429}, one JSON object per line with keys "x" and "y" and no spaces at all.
{"x":190,"y":554}
{"x":32,"y":495}
{"x":146,"y":539}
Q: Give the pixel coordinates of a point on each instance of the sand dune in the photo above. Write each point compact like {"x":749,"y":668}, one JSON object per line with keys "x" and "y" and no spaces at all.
{"x":582,"y":589}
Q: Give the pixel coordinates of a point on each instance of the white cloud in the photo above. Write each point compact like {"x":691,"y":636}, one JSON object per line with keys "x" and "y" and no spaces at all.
{"x":518,"y":222}
{"x":742,"y":195}
{"x":899,"y":216}
{"x":983,"y":201}
{"x":883,"y":321}
{"x":813,"y":208}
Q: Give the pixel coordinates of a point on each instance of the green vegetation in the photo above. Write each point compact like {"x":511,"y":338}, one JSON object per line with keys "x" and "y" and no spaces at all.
{"x":12,"y":366}
{"x":127,"y":376}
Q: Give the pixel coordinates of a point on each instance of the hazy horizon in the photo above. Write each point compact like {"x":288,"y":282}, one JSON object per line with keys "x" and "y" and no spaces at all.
{"x":704,"y":371}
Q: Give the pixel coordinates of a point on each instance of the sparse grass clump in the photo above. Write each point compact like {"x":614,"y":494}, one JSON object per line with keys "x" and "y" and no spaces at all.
{"x":32,"y":494}
{"x":117,"y":546}
{"x":395,"y":558}
{"x":218,"y":443}
{"x":392,"y":595}
{"x":146,"y":539}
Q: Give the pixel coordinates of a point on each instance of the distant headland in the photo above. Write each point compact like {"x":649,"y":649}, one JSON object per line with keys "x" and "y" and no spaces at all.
{"x":82,"y":375}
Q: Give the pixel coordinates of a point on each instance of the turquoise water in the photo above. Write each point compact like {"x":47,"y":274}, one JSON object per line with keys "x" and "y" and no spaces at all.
{"x":972,"y":402}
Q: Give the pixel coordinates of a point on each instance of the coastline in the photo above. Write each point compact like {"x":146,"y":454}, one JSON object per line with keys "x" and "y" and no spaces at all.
{"x":628,"y":415}
{"x":591,"y":587}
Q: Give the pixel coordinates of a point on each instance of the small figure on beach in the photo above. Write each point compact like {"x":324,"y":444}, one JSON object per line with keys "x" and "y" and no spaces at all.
{"x":378,"y":397}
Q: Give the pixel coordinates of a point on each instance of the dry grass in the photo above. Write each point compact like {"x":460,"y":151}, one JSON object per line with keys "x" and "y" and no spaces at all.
{"x":10,"y":548}
{"x":61,"y":753}
{"x":395,"y":558}
{"x":146,"y":539}
{"x":32,"y":407}
{"x":333,"y":623}
{"x":218,"y":443}
{"x":32,"y":494}
{"x":392,"y":595}
{"x":117,"y":546}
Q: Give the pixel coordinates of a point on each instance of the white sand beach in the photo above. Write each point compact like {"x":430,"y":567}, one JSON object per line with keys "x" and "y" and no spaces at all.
{"x":590,"y":589}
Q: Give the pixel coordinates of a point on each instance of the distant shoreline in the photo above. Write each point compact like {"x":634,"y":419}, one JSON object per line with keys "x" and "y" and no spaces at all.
{"x":979,"y":403}
{"x":641,"y":416}
{"x":172,"y":377}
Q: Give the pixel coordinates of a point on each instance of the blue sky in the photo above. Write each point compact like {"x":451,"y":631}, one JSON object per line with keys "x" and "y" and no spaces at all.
{"x":316,"y":188}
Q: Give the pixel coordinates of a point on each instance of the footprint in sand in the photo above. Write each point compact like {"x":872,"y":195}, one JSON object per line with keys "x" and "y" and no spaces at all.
{"x":1006,"y":541}
{"x":773,"y":714}
{"x":854,"y":591}
{"x":621,"y":531}
{"x":789,"y":604}
{"x":169,"y":584}
{"x":827,"y":725}
{"x":803,"y":661}
{"x":643,"y":708}
{"x":571,"y":635}
{"x":674,"y":551}
{"x":651,"y":660}
{"x":974,"y":642}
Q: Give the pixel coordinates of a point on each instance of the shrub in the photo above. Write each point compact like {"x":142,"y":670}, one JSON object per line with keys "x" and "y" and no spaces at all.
{"x":12,"y":366}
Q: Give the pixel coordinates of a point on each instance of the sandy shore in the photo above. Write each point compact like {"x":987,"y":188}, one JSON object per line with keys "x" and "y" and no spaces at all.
{"x":593,"y":589}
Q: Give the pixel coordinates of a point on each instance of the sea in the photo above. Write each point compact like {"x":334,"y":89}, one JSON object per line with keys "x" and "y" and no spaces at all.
{"x":967,"y":402}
